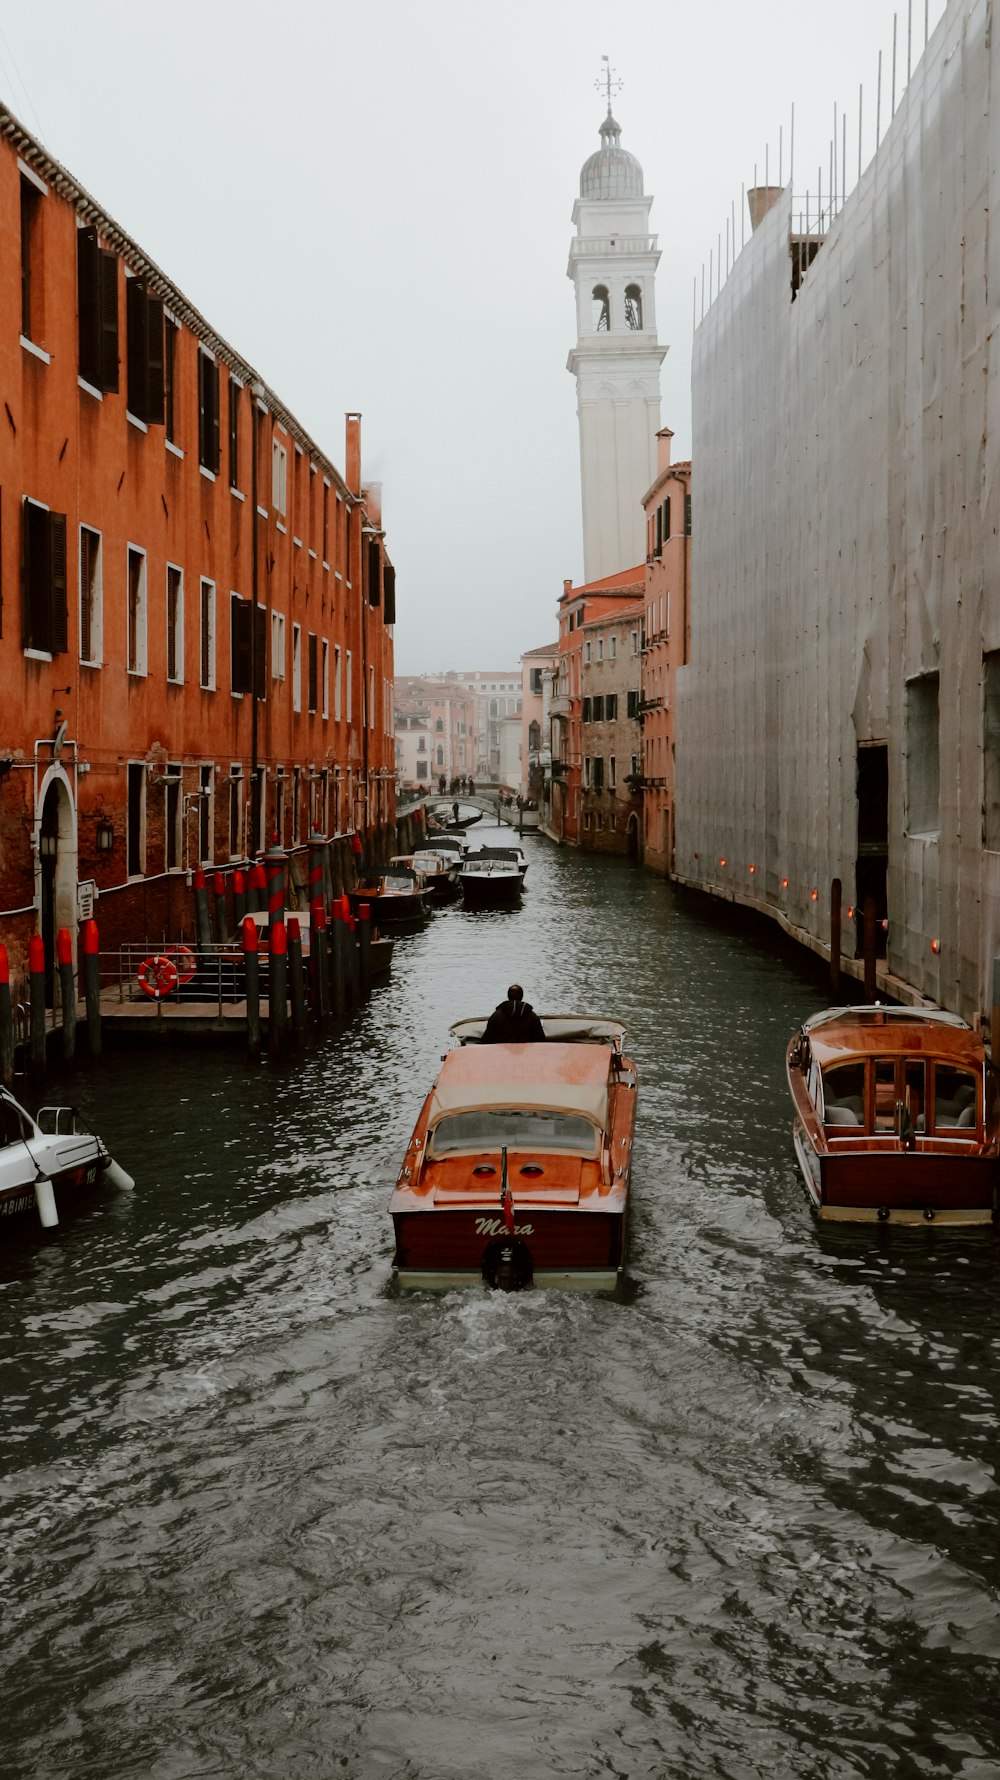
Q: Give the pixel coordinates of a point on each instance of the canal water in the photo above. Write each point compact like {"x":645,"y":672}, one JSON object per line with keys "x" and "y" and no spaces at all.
{"x":262,"y":1518}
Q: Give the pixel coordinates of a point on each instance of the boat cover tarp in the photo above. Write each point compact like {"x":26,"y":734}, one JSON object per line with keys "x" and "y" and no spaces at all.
{"x":551,"y":1077}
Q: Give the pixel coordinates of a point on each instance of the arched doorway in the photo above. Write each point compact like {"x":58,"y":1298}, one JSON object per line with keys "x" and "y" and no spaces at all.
{"x":632,"y":836}
{"x":56,"y":881}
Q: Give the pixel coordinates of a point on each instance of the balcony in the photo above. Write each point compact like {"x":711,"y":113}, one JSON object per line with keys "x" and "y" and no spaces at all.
{"x":560,"y":706}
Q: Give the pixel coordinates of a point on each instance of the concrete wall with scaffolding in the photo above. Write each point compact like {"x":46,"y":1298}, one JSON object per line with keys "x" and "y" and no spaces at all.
{"x":840,"y":713}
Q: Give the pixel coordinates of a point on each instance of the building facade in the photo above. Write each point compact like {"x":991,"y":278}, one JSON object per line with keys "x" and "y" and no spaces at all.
{"x":444,"y":714}
{"x":600,"y":639}
{"x":839,"y":714}
{"x":196,"y":642}
{"x":667,"y":505}
{"x":538,"y":667}
{"x":616,"y":360}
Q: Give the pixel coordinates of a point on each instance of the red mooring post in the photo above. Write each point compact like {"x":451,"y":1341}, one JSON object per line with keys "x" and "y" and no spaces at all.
{"x":257,"y":889}
{"x":336,"y":955}
{"x":92,"y":985}
{"x":277,"y":990}
{"x":296,"y":983}
{"x":36,"y":986}
{"x":6,"y":1022}
{"x":319,"y":960}
{"x":67,"y":988}
{"x":276,"y":862}
{"x":239,"y":899}
{"x":251,"y":971}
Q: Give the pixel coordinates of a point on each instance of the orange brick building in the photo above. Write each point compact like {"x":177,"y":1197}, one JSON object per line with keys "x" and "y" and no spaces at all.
{"x":667,"y":505}
{"x":600,"y":628}
{"x":197,"y":606}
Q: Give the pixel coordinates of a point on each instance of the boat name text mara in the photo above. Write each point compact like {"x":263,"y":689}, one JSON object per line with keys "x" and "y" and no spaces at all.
{"x":495,"y":1227}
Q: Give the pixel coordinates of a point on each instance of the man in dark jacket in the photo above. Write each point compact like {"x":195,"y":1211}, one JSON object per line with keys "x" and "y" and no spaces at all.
{"x":514,"y":1021}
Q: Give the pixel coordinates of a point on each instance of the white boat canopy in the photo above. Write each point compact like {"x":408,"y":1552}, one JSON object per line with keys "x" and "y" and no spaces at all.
{"x":564,"y":1078}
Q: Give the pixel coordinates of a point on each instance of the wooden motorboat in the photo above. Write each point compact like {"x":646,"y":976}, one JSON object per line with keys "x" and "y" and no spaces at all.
{"x":493,"y":877}
{"x":525,"y":817}
{"x":397,"y":902}
{"x":49,"y":1164}
{"x":518,"y":1169}
{"x":435,"y":872}
{"x":897,"y":1116}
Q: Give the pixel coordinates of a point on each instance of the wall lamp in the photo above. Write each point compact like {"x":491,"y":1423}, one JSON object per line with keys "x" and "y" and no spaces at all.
{"x":105,"y":837}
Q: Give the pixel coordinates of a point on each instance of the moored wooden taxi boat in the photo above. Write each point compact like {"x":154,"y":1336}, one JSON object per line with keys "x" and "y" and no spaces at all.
{"x":518,"y":1169}
{"x":397,"y":902}
{"x":897,"y":1117}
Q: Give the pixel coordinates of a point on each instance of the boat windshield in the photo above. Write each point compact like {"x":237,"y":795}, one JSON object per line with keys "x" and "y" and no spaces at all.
{"x":902,"y":1081}
{"x":507,"y":1127}
{"x":844,"y":1095}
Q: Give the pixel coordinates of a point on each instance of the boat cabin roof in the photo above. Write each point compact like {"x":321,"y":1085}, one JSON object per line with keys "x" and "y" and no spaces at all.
{"x":566,"y":1028}
{"x":844,"y":1033}
{"x":556,"y":1077}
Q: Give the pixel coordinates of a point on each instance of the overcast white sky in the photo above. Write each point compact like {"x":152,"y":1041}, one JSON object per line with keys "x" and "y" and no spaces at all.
{"x":372,"y":203}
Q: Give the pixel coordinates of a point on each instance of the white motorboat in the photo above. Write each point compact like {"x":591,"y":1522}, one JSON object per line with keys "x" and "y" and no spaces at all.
{"x":48,"y":1164}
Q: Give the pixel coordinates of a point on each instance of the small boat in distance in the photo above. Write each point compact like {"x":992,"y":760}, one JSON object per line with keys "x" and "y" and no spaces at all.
{"x":490,"y":882}
{"x":49,"y":1164}
{"x":435,"y":872}
{"x":518,"y":1169}
{"x":397,"y":902}
{"x":897,"y":1116}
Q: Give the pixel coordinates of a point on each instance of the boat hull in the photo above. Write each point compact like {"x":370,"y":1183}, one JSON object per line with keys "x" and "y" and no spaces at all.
{"x":440,"y":1249}
{"x":72,"y":1184}
{"x":492,"y":891}
{"x":898,"y":1187}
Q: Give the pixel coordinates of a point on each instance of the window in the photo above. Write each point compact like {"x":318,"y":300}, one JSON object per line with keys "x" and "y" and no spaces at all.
{"x":248,"y":649}
{"x":586,"y":710}
{"x":423,"y":769}
{"x":439,"y":755}
{"x":91,"y":597}
{"x":611,"y":706}
{"x":326,"y":523}
{"x":277,"y":645}
{"x":666,"y":625}
{"x":296,"y":667}
{"x":586,"y":770}
{"x":922,"y":755}
{"x":612,"y":773}
{"x":296,"y":803}
{"x":597,"y":708}
{"x":279,"y":477}
{"x":600,"y":648}
{"x":206,"y":813}
{"x":350,"y":686}
{"x":97,"y":311}
{"x":325,"y":687}
{"x":421,"y":744}
{"x":336,"y":682}
{"x":135,"y":843}
{"x":175,"y":623}
{"x":144,"y":322}
{"x":600,"y":309}
{"x":31,"y":256}
{"x":666,"y":519}
{"x":687,"y":515}
{"x":633,"y":703}
{"x":635,"y":766}
{"x":44,"y":625}
{"x":209,"y":453}
{"x":535,"y":680}
{"x":234,"y":433}
{"x":137,"y":610}
{"x":171,"y":394}
{"x":173,"y":815}
{"x":586,"y":650}
{"x":278,"y":829}
{"x":597,"y":770}
{"x":313,"y":658}
{"x":235,"y":810}
{"x":439,"y":722}
{"x":207,"y":634}
{"x":633,"y":308}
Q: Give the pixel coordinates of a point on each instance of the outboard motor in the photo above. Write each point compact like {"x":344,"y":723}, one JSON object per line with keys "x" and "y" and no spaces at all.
{"x":507,"y":1264}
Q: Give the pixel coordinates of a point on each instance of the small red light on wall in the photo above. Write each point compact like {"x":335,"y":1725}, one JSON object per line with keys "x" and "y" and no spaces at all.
{"x":885,"y":926}
{"x":815,"y":896}
{"x":935,"y":945}
{"x":722,"y":862}
{"x":784,"y":883}
{"x":751,"y":869}
{"x":850,"y":914}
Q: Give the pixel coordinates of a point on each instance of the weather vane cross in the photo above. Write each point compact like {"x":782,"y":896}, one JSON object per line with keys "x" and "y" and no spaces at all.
{"x":608,"y":82}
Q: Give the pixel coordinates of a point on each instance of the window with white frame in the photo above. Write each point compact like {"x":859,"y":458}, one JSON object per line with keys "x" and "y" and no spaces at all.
{"x":613,"y":647}
{"x":173,"y":816}
{"x":175,"y":623}
{"x":296,"y":667}
{"x":600,"y":648}
{"x":336,"y":683}
{"x":586,"y":650}
{"x":207,"y":634}
{"x":91,"y":597}
{"x":135,"y":836}
{"x":612,"y":772}
{"x":277,"y":645}
{"x":279,"y":477}
{"x":325,"y":677}
{"x":138,"y":613}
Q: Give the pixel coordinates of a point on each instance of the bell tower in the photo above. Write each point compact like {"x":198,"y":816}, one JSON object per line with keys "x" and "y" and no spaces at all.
{"x":616,"y":360}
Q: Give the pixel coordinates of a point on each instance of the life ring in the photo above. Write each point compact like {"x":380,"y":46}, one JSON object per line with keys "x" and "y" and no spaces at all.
{"x":157,"y":976}
{"x":184,"y":961}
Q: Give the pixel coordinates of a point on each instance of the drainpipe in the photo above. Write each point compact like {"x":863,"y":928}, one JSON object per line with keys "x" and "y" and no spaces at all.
{"x":256,"y":396}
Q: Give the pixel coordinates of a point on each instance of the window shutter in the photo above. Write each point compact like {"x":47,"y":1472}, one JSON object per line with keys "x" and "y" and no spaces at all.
{"x":203,"y":410}
{"x":88,"y":305}
{"x":214,"y":443}
{"x":155,"y":383}
{"x":687,"y":515}
{"x":109,"y":322}
{"x":35,"y":578}
{"x":137,"y":325}
{"x":240,"y":645}
{"x":666,"y":518}
{"x":374,"y":577}
{"x":57,"y":583}
{"x":261,"y":662}
{"x":312,"y":672}
{"x":389,"y":593}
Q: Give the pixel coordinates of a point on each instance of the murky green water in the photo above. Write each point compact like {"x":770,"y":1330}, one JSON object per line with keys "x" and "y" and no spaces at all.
{"x":261,"y":1518}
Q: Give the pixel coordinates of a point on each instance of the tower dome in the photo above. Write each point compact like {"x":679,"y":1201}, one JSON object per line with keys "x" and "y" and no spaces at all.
{"x":612,"y":172}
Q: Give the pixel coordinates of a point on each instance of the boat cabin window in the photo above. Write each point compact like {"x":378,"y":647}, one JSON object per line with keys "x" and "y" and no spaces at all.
{"x":954,"y":1098}
{"x":476,"y":1131}
{"x":885,"y":1094}
{"x":14,"y":1124}
{"x":844,"y":1094}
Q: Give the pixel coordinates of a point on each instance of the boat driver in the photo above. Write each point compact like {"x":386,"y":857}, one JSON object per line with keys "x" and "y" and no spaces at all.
{"x":514,"y":1021}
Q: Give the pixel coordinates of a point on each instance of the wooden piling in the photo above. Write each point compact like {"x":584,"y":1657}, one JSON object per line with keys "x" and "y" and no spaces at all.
{"x":277,"y":990}
{"x":871,"y":977}
{"x":365,"y":949}
{"x":6,"y":1022}
{"x":36,"y":987}
{"x":336,"y":956}
{"x":836,"y":899}
{"x":67,"y":989}
{"x":91,"y":943}
{"x":296,"y":983}
{"x":251,"y":971}
{"x":319,"y":955}
{"x":203,"y":923}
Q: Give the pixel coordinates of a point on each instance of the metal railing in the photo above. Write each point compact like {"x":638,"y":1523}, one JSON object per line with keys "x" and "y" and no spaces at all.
{"x":208,"y":976}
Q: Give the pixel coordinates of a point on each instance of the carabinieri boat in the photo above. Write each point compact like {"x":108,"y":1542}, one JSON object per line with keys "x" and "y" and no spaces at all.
{"x":518,"y":1169}
{"x":48,"y":1165}
{"x":897,"y":1116}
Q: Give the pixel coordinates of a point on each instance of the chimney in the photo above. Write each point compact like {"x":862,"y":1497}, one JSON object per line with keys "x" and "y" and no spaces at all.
{"x":567,"y":588}
{"x":352,"y":470}
{"x":761,"y":199}
{"x":663,"y":439}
